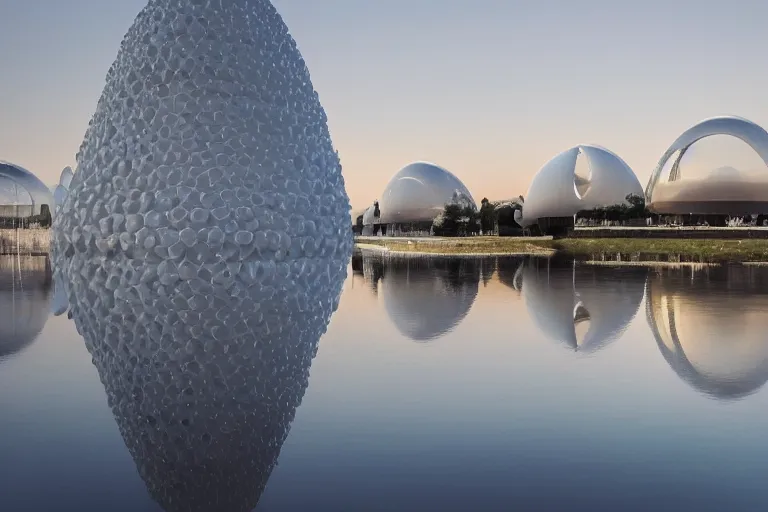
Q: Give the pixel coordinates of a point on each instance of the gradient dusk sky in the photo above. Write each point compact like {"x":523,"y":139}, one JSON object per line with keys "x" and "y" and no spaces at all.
{"x":489,"y":89}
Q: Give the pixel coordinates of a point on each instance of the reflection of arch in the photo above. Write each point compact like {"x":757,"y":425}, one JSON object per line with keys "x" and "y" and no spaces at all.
{"x":25,"y":293}
{"x":586,"y":307}
{"x":711,"y":328}
{"x":427,"y":297}
{"x":747,"y":131}
{"x":557,"y":190}
{"x":39,"y":194}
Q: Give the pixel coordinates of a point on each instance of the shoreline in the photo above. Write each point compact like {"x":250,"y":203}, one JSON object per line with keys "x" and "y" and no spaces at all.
{"x":618,"y":251}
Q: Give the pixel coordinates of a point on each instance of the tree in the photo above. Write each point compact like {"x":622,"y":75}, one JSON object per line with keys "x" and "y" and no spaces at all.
{"x":456,"y":220}
{"x":487,"y":216}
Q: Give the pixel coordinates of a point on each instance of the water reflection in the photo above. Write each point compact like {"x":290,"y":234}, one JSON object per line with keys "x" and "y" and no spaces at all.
{"x":25,"y":294}
{"x":711,"y":327}
{"x":203,"y":378}
{"x":424,"y":297}
{"x":583,"y":306}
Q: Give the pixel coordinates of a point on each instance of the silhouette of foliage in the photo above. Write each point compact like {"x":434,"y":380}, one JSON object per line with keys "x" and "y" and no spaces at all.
{"x":457,"y":220}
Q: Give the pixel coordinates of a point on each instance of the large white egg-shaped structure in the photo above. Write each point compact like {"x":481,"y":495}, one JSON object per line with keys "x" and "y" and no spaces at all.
{"x":419,"y":192}
{"x":427,"y":297}
{"x":584,"y":307}
{"x":710,"y":326}
{"x":558,"y":190}
{"x":204,"y":243}
{"x":723,"y":191}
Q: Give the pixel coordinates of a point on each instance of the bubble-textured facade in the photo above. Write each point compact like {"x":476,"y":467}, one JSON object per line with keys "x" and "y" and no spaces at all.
{"x":557,"y":191}
{"x":23,"y":194}
{"x":204,"y":242}
{"x":419,"y":192}
{"x":719,"y":193}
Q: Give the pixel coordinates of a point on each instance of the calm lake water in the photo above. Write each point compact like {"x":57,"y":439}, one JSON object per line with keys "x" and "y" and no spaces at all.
{"x":441,"y":384}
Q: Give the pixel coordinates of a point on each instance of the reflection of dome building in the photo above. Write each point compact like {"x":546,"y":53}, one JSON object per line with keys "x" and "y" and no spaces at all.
{"x":726,"y":191}
{"x":711,"y":327}
{"x":417,"y":194}
{"x":581,"y":178}
{"x":582,"y":306}
{"x":25,"y":293}
{"x":23,"y":197}
{"x":427,"y":297}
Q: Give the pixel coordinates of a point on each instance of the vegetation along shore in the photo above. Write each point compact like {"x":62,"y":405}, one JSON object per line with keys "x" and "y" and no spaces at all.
{"x":611,"y":249}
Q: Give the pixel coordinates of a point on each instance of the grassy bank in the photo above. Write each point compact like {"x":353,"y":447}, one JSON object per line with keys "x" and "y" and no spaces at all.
{"x":628,"y":249}
{"x":479,"y":245}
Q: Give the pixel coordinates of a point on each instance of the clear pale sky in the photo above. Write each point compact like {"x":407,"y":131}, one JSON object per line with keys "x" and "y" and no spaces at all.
{"x":490,"y":89}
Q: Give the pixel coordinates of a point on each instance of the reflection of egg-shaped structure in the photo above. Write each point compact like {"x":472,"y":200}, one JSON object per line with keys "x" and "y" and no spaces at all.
{"x":510,"y":270}
{"x":25,"y":294}
{"x":557,"y":190}
{"x":204,"y":243}
{"x":584,"y":307}
{"x":419,"y":192}
{"x":722,"y":192}
{"x":22,"y":194}
{"x":711,"y":327}
{"x":427,"y":297}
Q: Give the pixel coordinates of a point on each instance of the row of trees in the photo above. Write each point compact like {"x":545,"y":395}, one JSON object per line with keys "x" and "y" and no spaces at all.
{"x":634,"y":208}
{"x":463,"y":219}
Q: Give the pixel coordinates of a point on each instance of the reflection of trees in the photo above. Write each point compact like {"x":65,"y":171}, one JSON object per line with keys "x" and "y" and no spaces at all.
{"x":583,"y":306}
{"x":25,"y":293}
{"x":710,"y":326}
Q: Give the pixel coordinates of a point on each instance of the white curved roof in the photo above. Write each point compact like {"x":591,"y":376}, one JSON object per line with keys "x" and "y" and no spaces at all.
{"x":556,"y":191}
{"x":31,"y":184}
{"x":419,"y":192}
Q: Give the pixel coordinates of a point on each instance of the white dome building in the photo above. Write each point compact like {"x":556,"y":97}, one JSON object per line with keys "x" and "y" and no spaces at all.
{"x":581,"y":178}
{"x":419,"y":192}
{"x":22,"y":194}
{"x":725,"y":190}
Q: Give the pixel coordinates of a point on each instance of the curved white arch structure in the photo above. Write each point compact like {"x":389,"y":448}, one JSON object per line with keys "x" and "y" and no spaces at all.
{"x":419,"y":192}
{"x":716,"y":194}
{"x":556,"y":191}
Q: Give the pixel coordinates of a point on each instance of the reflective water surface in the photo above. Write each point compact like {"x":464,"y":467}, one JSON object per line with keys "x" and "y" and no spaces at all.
{"x":441,"y":384}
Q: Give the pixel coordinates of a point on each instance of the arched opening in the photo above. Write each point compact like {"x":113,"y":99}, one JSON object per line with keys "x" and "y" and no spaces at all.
{"x":717,"y":175}
{"x":582,"y":175}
